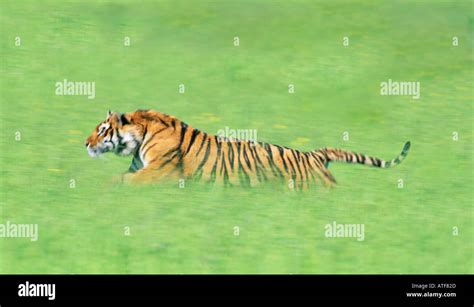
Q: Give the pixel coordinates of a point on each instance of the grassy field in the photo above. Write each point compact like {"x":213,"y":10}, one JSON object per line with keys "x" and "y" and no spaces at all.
{"x":193,"y":230}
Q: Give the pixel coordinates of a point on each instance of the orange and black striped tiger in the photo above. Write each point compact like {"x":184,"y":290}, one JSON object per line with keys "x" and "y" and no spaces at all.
{"x":163,"y":146}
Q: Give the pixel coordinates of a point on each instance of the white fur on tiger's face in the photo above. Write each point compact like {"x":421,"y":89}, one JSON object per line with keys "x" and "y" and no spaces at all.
{"x":111,"y":136}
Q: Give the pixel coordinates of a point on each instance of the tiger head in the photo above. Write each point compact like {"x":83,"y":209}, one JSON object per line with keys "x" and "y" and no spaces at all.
{"x":115,"y":134}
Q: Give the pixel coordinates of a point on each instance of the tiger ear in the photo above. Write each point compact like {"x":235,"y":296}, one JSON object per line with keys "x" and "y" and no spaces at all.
{"x":109,"y":113}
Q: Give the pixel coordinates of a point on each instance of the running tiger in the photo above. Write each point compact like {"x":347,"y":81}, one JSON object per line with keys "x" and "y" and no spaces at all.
{"x":162,"y":146}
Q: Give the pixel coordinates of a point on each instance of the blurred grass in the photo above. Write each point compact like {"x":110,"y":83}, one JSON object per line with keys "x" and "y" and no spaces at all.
{"x":191,"y":230}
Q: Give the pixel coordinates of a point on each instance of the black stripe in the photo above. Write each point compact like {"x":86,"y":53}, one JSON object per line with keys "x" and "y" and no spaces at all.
{"x":297,"y":163}
{"x":146,"y":151}
{"x":193,"y":138}
{"x":246,"y":157}
{"x":242,"y":173}
{"x":204,"y":137}
{"x":214,"y":168}
{"x":222,"y":164}
{"x":306,"y":155}
{"x":282,"y":158}
{"x":301,"y":161}
{"x":224,"y":168}
{"x":184,"y":127}
{"x":310,"y":167}
{"x":317,"y":159}
{"x":256,"y":157}
{"x":148,"y":141}
{"x":163,"y":122}
{"x":108,"y":131}
{"x":219,"y":145}
{"x":293,"y":168}
{"x":271,"y":162}
{"x":181,"y":139}
{"x":167,"y":161}
{"x":231,"y":154}
{"x":206,"y":156}
{"x":304,"y":164}
{"x":258,"y":162}
{"x":237,"y":144}
{"x":348,"y":156}
{"x":298,"y":154}
{"x":313,"y":169}
{"x":260,"y":174}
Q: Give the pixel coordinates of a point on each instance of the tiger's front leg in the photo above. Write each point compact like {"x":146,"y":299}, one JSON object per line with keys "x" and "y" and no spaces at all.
{"x":152,"y":174}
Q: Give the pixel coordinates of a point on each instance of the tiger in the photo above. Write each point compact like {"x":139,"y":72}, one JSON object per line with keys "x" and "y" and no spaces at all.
{"x":165,"y":147}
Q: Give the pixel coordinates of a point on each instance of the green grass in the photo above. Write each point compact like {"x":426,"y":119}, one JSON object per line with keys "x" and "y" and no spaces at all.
{"x":191,"y":230}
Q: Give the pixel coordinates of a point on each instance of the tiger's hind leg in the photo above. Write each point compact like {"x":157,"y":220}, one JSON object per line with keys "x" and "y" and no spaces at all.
{"x":327,"y":177}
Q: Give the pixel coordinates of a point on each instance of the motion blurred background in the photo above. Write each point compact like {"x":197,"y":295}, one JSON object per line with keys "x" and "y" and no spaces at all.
{"x":101,"y":227}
